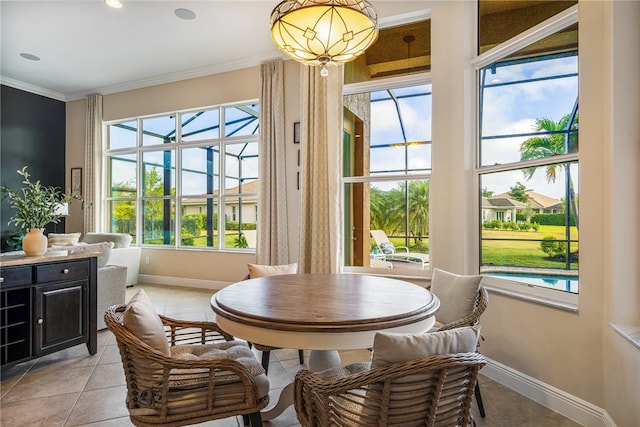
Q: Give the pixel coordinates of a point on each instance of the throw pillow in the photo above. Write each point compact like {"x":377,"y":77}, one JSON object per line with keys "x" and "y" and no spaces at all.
{"x":62,"y":239}
{"x":120,"y":240}
{"x":256,"y":270}
{"x":457,"y":294}
{"x":141,"y":319}
{"x":392,"y":348}
{"x":103,"y":249}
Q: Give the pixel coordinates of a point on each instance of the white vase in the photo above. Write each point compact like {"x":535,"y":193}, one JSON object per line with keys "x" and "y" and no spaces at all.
{"x":35,"y":242}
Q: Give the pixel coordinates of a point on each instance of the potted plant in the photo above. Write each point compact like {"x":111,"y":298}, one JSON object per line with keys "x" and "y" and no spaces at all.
{"x":36,"y":206}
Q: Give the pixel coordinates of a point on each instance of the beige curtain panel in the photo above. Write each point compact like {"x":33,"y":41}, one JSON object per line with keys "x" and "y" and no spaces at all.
{"x":321,"y":152}
{"x":273,"y":238}
{"x":92,"y":165}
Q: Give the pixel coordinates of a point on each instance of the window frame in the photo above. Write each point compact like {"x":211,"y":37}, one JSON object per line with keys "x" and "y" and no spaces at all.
{"x":550,"y":297}
{"x":395,"y":82}
{"x":219,"y":196}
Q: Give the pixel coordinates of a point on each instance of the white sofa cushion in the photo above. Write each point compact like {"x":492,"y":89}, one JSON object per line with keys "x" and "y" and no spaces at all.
{"x":120,"y":240}
{"x":256,"y":270}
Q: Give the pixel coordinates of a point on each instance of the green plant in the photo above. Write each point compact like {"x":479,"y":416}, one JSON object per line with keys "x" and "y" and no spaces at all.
{"x":35,"y":204}
{"x":551,"y":246}
{"x":240,"y":241}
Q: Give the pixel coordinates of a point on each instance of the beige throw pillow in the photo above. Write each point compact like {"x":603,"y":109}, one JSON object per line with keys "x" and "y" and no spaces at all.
{"x":457,"y":294}
{"x":141,"y":319}
{"x":392,"y":348}
{"x":103,"y":249}
{"x":256,"y":270}
{"x":62,"y":239}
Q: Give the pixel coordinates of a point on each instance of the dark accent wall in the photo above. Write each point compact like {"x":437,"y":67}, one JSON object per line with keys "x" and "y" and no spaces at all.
{"x":32,"y":133}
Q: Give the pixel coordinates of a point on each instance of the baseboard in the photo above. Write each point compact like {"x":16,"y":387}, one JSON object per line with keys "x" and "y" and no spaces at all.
{"x":572,"y":407}
{"x":182,"y":282}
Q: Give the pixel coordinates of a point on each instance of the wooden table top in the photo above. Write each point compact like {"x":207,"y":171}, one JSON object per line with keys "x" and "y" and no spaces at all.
{"x":324,"y":302}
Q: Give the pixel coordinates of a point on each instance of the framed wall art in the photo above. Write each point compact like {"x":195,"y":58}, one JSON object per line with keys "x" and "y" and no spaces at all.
{"x":76,"y":181}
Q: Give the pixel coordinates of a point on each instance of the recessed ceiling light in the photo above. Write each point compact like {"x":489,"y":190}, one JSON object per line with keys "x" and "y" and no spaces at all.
{"x":30,"y":57}
{"x":185,"y":14}
{"x":116,"y":4}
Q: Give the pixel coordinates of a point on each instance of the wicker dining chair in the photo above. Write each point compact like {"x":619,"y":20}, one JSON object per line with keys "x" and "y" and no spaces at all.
{"x":432,"y":391}
{"x":256,"y":271}
{"x":205,"y":375}
{"x":469,"y":317}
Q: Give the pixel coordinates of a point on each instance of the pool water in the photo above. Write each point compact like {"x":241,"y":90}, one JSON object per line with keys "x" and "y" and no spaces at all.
{"x":562,"y":283}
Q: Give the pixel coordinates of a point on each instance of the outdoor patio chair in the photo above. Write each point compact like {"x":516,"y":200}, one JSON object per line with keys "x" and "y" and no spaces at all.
{"x":421,"y":380}
{"x":184,"y":372}
{"x":397,"y":253}
{"x":462,"y":300}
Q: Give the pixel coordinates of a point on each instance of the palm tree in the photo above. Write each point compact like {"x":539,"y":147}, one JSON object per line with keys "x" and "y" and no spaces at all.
{"x":559,"y":138}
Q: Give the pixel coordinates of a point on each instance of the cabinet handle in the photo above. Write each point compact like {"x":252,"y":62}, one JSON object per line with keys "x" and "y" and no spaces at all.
{"x":1,"y":279}
{"x":40,"y":321}
{"x":65,"y":271}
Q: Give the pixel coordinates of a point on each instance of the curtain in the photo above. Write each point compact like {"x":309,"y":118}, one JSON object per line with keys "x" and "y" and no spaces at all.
{"x":273,"y":237}
{"x":92,"y":186}
{"x":321,"y":192}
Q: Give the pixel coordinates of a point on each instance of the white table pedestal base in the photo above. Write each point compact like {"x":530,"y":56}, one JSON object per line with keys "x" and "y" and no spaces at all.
{"x":319,"y":360}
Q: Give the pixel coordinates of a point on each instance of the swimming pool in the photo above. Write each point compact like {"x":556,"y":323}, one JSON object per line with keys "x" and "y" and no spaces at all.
{"x":562,"y":283}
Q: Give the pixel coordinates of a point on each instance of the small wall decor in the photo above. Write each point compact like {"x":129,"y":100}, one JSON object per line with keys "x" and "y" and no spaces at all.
{"x":76,"y":181}
{"x":296,"y":133}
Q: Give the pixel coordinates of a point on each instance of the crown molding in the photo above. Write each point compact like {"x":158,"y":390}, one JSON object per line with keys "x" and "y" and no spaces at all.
{"x":16,"y":84}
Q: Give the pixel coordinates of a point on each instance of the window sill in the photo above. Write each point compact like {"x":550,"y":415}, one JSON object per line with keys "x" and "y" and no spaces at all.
{"x":629,"y":332}
{"x":535,"y":294}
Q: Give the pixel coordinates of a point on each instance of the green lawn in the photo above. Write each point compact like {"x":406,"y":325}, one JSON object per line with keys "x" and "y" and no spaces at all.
{"x":521,"y":253}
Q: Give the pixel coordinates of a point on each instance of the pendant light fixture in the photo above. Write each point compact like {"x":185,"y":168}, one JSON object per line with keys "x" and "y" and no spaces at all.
{"x":324,"y":32}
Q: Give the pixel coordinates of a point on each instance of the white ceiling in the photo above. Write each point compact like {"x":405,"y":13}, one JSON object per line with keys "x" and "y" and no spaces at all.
{"x":86,"y":47}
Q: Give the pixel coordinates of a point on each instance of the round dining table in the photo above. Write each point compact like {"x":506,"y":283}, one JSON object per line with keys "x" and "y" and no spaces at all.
{"x":322,"y":313}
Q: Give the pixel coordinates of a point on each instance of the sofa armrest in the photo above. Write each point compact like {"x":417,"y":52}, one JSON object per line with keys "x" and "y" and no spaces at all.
{"x":111,"y":289}
{"x":130,"y":258}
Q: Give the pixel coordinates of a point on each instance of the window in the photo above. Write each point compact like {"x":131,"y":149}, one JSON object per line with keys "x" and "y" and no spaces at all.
{"x":185,"y":179}
{"x":387,"y":166}
{"x":528,"y":159}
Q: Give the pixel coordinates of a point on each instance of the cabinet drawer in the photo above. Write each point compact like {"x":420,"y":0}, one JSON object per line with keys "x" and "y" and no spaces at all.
{"x":67,"y":271}
{"x":15,"y":276}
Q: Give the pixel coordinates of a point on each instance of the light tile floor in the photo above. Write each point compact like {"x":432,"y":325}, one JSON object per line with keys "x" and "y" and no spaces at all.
{"x":72,"y":388}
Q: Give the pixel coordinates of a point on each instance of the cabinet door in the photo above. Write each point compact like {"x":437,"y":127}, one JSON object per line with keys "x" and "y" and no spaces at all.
{"x":61,"y":318}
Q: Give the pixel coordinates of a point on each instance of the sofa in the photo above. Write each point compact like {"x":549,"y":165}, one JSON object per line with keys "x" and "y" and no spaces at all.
{"x":121,"y":254}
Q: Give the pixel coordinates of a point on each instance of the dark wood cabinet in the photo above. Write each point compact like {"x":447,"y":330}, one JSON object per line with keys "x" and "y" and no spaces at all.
{"x":46,"y":306}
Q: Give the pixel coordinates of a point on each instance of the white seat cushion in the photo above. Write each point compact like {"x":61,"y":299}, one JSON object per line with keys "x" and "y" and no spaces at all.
{"x":256,"y":270}
{"x":392,"y":348}
{"x":457,"y":294}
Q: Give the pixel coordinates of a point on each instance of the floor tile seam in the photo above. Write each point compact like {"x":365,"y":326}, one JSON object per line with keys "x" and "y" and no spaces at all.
{"x":39,"y":398}
{"x":15,"y":383}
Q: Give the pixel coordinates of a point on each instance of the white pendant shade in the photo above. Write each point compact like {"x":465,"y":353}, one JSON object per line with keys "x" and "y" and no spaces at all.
{"x":324,"y":32}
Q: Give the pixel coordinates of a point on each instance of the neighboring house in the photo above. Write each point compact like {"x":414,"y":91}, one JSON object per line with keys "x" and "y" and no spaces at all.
{"x":539,"y":203}
{"x":501,"y":208}
{"x":245,"y":211}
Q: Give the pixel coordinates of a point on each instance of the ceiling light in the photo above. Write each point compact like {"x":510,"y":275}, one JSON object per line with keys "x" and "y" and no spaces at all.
{"x":116,"y":4}
{"x":30,"y":57}
{"x":185,"y":14}
{"x":324,"y":32}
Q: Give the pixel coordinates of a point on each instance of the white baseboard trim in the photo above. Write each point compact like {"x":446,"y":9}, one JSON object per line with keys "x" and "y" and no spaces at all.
{"x":181,"y":282}
{"x":572,"y":407}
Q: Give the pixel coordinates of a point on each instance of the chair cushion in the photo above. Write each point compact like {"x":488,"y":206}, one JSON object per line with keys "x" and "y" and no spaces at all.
{"x":63,"y":239}
{"x":457,"y":294}
{"x":103,"y":249}
{"x":141,"y":319}
{"x":257,"y":270}
{"x":234,"y":350}
{"x":120,"y":240}
{"x":391,"y":348}
{"x":387,"y":248}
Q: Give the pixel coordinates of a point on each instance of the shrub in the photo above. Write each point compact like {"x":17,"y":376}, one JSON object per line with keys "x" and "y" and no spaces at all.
{"x":551,"y":246}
